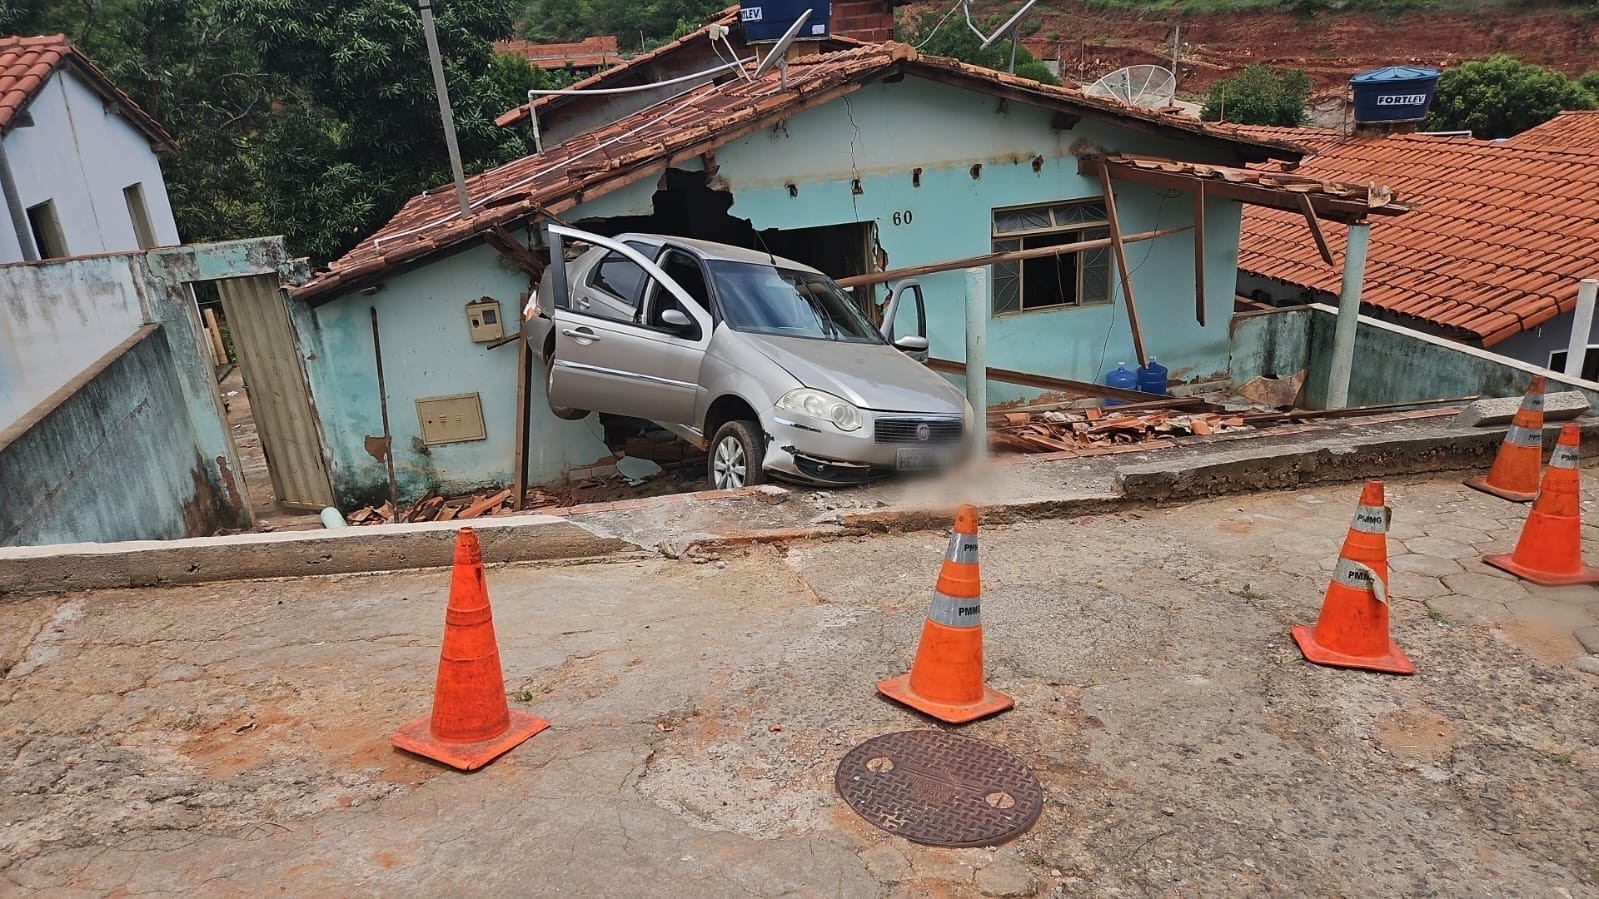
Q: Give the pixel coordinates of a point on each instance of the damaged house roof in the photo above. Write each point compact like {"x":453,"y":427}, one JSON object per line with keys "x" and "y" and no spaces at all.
{"x":697,"y":121}
{"x":26,"y":63}
{"x":1498,"y":234}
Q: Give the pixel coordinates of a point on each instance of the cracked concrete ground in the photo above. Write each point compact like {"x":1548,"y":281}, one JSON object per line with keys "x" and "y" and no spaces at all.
{"x":233,"y":739}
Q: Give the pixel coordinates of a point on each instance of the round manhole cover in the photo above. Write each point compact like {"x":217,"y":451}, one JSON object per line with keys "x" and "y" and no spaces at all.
{"x":941,"y":789}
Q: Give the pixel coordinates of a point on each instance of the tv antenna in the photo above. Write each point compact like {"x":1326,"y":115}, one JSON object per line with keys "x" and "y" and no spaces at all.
{"x":778,"y":55}
{"x":1146,"y":86}
{"x":1006,"y":30}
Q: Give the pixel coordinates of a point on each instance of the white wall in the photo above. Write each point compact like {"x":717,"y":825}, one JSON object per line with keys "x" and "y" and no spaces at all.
{"x":81,"y":155}
{"x":55,"y":323}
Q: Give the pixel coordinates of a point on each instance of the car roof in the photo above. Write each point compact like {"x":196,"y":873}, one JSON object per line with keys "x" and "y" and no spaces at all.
{"x":721,"y":251}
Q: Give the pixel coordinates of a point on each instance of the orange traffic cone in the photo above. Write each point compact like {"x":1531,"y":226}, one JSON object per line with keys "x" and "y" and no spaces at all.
{"x":946,"y":680}
{"x":1550,"y":549}
{"x":471,"y":724}
{"x":1514,"y":475}
{"x":1352,"y":631}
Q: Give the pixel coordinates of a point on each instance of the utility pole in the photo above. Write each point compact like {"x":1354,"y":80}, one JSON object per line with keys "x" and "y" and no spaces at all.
{"x":444,"y":105}
{"x":1176,"y":54}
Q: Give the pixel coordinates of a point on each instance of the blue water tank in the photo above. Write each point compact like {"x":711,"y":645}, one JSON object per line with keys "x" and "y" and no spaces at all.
{"x":1152,"y":377}
{"x":1393,"y":94}
{"x":766,"y":21}
{"x":1120,"y":378}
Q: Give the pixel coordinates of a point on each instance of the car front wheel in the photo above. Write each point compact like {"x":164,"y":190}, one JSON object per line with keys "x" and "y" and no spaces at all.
{"x":737,"y":450}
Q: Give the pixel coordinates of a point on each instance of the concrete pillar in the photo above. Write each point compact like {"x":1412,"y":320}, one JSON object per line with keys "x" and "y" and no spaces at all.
{"x":977,"y":356}
{"x":1581,"y":327}
{"x":1343,"y":359}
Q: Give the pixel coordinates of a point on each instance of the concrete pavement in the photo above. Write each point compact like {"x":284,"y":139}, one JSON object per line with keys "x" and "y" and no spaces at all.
{"x":233,"y":738}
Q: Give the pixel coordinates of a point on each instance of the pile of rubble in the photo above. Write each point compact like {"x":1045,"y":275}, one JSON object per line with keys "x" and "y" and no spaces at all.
{"x":1094,"y":427}
{"x":499,"y":502}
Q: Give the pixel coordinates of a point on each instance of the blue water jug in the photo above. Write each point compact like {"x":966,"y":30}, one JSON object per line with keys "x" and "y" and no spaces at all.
{"x":1152,"y":377}
{"x":1120,"y":378}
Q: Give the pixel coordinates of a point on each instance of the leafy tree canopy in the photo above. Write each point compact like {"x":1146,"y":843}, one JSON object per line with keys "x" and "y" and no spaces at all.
{"x":1259,"y":95}
{"x":955,"y":39}
{"x":312,"y":121}
{"x":631,"y":21}
{"x":1501,"y":96}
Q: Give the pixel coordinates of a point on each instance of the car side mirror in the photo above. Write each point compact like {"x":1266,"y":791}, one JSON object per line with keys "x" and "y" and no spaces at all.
{"x":676,"y":319}
{"x":912,"y":344}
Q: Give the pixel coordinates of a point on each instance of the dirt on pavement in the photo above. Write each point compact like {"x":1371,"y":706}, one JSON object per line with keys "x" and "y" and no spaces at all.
{"x":234,"y":739}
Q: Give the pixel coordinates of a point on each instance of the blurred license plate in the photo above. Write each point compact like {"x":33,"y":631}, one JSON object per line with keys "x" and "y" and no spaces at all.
{"x":921,"y":458}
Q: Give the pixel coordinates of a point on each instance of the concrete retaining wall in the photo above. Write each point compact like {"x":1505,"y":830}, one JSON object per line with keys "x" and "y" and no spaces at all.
{"x":109,"y":456}
{"x":518,"y":538}
{"x":1392,"y":364}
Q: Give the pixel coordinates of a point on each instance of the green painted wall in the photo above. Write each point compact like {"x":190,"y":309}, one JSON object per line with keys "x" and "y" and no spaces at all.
{"x":1392,"y":364}
{"x":428,"y":352}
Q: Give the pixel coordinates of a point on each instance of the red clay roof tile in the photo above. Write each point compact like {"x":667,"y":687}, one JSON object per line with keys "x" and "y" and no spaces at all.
{"x":26,"y":63}
{"x":1497,"y":235}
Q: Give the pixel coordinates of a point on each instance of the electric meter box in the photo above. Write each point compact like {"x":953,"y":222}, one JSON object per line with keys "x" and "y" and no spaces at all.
{"x":483,"y":320}
{"x":766,"y":21}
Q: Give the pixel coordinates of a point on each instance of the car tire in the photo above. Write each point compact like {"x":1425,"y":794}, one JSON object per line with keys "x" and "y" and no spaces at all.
{"x":562,"y":412}
{"x":737,"y":450}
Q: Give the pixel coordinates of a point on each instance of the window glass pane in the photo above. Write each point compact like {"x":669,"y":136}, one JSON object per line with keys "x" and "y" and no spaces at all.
{"x":1007,"y":221}
{"x":1096,"y":268}
{"x":618,"y":281}
{"x":1007,"y":289}
{"x":1079,"y":213}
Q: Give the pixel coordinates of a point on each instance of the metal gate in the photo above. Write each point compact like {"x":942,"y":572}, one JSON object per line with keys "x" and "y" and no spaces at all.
{"x":258,"y":321}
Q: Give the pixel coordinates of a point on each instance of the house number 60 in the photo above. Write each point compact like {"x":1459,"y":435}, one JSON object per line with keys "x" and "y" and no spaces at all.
{"x":902,"y":218}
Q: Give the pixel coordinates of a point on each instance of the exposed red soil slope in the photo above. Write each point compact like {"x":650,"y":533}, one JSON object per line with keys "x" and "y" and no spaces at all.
{"x":1330,"y":46}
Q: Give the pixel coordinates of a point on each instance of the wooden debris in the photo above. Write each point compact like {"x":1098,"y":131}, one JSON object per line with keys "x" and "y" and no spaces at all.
{"x":1094,"y":428}
{"x":483,"y":505}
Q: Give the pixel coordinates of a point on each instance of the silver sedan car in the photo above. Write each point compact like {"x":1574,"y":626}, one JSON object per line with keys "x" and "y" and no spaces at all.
{"x":764,"y":362}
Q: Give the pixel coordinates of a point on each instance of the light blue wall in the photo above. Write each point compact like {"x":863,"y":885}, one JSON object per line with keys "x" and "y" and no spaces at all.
{"x":428,"y":352}
{"x":879,"y":135}
{"x":884,"y":131}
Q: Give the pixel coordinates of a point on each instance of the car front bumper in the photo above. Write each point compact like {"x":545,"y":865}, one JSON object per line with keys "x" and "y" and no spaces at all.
{"x":815,"y":452}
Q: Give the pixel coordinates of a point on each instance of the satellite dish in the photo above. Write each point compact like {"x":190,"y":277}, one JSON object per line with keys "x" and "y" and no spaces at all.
{"x":1150,"y":87}
{"x":1009,"y":24}
{"x":779,"y":50}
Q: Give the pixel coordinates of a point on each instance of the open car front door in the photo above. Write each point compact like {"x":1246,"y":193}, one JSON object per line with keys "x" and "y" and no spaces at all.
{"x":609,"y":357}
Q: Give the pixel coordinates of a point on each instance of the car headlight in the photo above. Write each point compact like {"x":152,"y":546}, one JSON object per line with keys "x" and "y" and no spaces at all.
{"x":822,"y":405}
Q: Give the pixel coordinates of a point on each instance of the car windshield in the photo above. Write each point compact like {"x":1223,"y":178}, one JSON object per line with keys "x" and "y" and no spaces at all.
{"x":764,"y":300}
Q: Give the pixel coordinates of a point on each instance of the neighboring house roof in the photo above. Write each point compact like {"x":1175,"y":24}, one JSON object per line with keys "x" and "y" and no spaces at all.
{"x":26,"y":63}
{"x":684,"y":126}
{"x":1572,"y":130}
{"x":587,"y":53}
{"x":638,"y":70}
{"x":1313,"y":140}
{"x":1496,"y":239}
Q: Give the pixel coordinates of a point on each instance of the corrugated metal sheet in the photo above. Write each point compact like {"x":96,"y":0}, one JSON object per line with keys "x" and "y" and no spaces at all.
{"x":259,"y":323}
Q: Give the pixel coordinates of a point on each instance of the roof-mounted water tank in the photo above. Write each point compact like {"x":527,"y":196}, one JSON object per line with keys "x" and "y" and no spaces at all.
{"x":1393,"y":94}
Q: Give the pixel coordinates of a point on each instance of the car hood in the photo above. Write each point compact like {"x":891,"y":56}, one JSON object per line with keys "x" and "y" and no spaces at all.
{"x":872,"y":376}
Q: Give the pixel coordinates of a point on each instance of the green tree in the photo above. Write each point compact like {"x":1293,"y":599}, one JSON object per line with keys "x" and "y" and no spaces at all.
{"x":361,"y":126}
{"x":1590,"y":82}
{"x":954,"y":39}
{"x":1501,"y":96}
{"x":1259,"y":95}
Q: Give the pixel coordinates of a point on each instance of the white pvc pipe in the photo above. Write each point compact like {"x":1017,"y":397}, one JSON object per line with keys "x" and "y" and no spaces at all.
{"x":1343,"y":358}
{"x":977,"y":356}
{"x":1581,"y":327}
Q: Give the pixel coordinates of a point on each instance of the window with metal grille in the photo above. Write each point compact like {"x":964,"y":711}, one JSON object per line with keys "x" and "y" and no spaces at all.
{"x":1051,"y":282}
